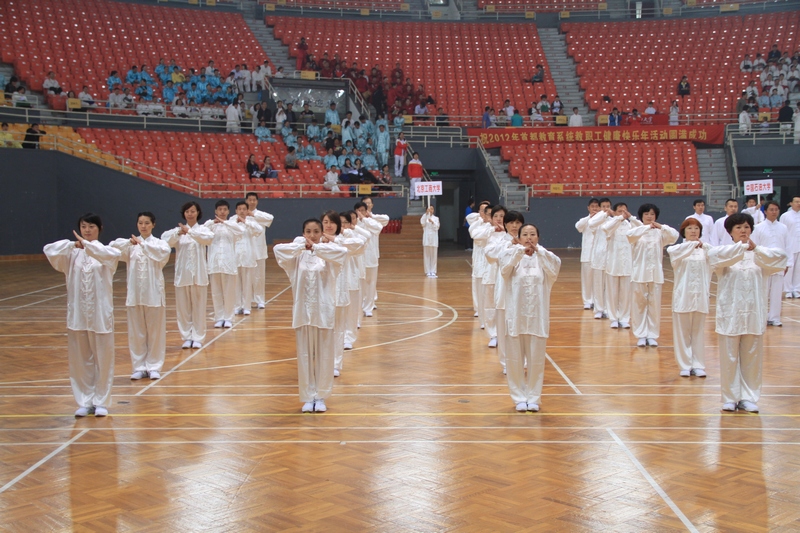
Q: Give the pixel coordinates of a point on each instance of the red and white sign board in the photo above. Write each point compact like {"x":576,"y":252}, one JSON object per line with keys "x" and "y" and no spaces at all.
{"x":427,"y":188}
{"x":758,"y":187}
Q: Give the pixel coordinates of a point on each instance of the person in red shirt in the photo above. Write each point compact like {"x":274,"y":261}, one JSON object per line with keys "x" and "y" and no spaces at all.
{"x":400,"y":146}
{"x":397,"y":73}
{"x":362,"y":85}
{"x":408,"y":107}
{"x":302,"y":52}
{"x":326,"y":71}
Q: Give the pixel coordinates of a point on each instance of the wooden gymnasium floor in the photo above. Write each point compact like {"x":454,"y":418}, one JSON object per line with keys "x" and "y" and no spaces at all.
{"x":421,"y":434}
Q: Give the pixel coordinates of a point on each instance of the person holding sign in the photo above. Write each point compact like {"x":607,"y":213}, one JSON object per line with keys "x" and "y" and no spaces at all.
{"x":773,"y":234}
{"x":430,"y":241}
{"x":414,"y":175}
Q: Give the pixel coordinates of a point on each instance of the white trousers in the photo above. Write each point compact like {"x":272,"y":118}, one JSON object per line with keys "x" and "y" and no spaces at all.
{"x":259,"y":279}
{"x":244,"y":287}
{"x":399,"y":163}
{"x":91,"y":366}
{"x":791,"y":281}
{"x":599,"y":290}
{"x":412,"y":195}
{"x":689,"y":338}
{"x":147,"y":337}
{"x":351,"y":317}
{"x":190,"y":306}
{"x":232,"y":127}
{"x":430,"y":255}
{"x":340,"y":320}
{"x":775,"y":292}
{"x":520,"y":350}
{"x":587,"y":283}
{"x":645,"y":310}
{"x":477,"y":297}
{"x":740,"y":367}
{"x":500,"y":324}
{"x":618,"y":298}
{"x":369,"y":289}
{"x":489,"y":311}
{"x":223,"y":296}
{"x":314,"y":362}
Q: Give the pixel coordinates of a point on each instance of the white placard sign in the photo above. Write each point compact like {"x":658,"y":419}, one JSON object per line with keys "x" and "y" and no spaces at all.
{"x":757,"y":187}
{"x":428,"y":188}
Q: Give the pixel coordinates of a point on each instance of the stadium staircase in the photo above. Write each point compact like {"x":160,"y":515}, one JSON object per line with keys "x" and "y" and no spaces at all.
{"x":275,"y":49}
{"x":562,"y":71}
{"x":713,"y":169}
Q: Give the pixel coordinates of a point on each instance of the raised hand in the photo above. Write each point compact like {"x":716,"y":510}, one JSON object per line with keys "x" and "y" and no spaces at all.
{"x":184,"y":228}
{"x":78,"y":240}
{"x":750,"y":245}
{"x":655,"y":225}
{"x":218,"y":220}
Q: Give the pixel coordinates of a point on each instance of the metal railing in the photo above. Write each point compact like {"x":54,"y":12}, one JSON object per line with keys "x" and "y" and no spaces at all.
{"x":642,"y":189}
{"x":352,"y":90}
{"x":341,"y":8}
{"x":775,"y":132}
{"x":32,"y":99}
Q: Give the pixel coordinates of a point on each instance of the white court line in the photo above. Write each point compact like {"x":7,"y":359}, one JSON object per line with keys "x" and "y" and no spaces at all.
{"x":563,"y":375}
{"x":391,"y":394}
{"x":42,"y":461}
{"x":398,"y":428}
{"x":212,"y":341}
{"x":40,"y":301}
{"x":32,"y":292}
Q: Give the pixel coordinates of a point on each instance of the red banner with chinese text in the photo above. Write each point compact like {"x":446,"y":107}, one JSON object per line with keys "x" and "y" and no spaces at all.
{"x":498,"y":137}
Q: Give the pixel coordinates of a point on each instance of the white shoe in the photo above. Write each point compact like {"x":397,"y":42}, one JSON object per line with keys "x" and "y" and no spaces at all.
{"x":476,"y":314}
{"x":308,"y":407}
{"x":100,"y":411}
{"x":335,"y":373}
{"x":261,"y":306}
{"x":196,"y":345}
{"x":187,"y":344}
{"x":642,"y":343}
{"x":748,"y":406}
{"x":227,"y":324}
{"x":493,"y":342}
{"x":374,"y":306}
{"x":368,"y":314}
{"x":729,"y":406}
{"x":789,"y":295}
{"x":777,"y":323}
{"x":533,"y":407}
{"x":139,"y":374}
{"x":483,"y":326}
{"x":348,"y":346}
{"x":521,"y":407}
{"x":434,"y":276}
{"x":239,"y":311}
{"x":598,"y":315}
{"x":624,"y":325}
{"x":504,"y":370}
{"x":699,"y":372}
{"x":686,"y":373}
{"x":246,"y":312}
{"x":586,"y":307}
{"x":155,"y":374}
{"x":319,"y":406}
{"x":84,"y":411}
{"x":796,"y":295}
{"x":614,"y":325}
{"x":219,"y":323}
{"x":652,"y":342}
{"x":605,"y":315}
{"x":428,"y":274}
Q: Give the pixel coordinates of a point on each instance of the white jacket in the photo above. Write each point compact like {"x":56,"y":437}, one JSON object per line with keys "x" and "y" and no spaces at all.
{"x":587,"y":238}
{"x":265,"y":219}
{"x":692,"y":271}
{"x":648,"y":252}
{"x":497,"y":238}
{"x":756,"y":213}
{"x":90,"y":274}
{"x":600,"y":242}
{"x":773,"y":235}
{"x":146,"y":262}
{"x":374,"y":225}
{"x":480,"y":232}
{"x":348,"y":279}
{"x":246,"y":247}
{"x":791,"y":219}
{"x":430,"y":230}
{"x":720,"y":237}
{"x":494,"y":252}
{"x":619,"y":254}
{"x":529,"y":280}
{"x":222,"y":250}
{"x":190,"y":254}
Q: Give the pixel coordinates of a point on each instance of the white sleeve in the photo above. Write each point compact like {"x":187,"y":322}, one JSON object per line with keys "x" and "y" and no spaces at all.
{"x":124,"y":247}
{"x":58,"y":253}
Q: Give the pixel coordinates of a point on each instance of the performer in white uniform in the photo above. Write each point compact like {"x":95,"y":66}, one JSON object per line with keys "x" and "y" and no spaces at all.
{"x":146,"y":256}
{"x":690,"y":294}
{"x":430,"y":241}
{"x":773,"y":233}
{"x":619,"y":265}
{"x":369,"y":293}
{"x":587,"y":240}
{"x":719,"y":236}
{"x":647,"y":275}
{"x":599,"y":257}
{"x":246,"y":262}
{"x":262,"y":253}
{"x":191,"y":274}
{"x":489,"y":278}
{"x":742,"y":269}
{"x":754,"y":210}
{"x":312,"y":267}
{"x":353,"y":271}
{"x":479,"y":231}
{"x":222,"y":267}
{"x":705,"y":220}
{"x":791,"y":218}
{"x":89,"y":267}
{"x":530,"y":272}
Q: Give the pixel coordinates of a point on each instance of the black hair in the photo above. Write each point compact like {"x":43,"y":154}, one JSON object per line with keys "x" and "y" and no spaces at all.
{"x":698,"y":201}
{"x":349,"y":215}
{"x":603,"y":199}
{"x":531,"y":225}
{"x":91,"y":218}
{"x":309,"y":221}
{"x":221,"y":203}
{"x":772,"y":202}
{"x":736,"y":219}
{"x":513,"y":216}
{"x":333,"y":216}
{"x":248,"y":195}
{"x":616,"y":205}
{"x":593,"y":201}
{"x":359,"y":205}
{"x":731,"y":200}
{"x":645,"y":208}
{"x":240,"y":202}
{"x":147,"y":214}
{"x":496,"y":209}
{"x":187,"y":205}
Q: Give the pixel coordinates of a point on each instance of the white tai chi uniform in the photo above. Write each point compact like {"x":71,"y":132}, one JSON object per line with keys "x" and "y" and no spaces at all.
{"x":262,"y":253}
{"x":354,"y":243}
{"x":791,"y":282}
{"x":312,"y":274}
{"x":773,"y":235}
{"x":720,"y":236}
{"x":246,"y":262}
{"x":480,"y":231}
{"x":690,"y":293}
{"x":742,"y":315}
{"x":619,"y":265}
{"x":708,"y":226}
{"x":494,"y":251}
{"x":191,"y":279}
{"x":647,"y":277}
{"x":598,"y":260}
{"x":488,"y":283}
{"x":222,"y":267}
{"x":356,"y":273}
{"x":587,"y":240}
{"x":529,"y":280}
{"x":374,"y":224}
{"x":430,"y":242}
{"x":146,"y":301}
{"x":756,"y":213}
{"x":90,"y":317}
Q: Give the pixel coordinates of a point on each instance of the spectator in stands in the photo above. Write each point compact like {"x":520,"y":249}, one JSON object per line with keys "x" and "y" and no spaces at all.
{"x":178,"y":77}
{"x":508,"y":109}
{"x":370,"y":161}
{"x":557,"y":106}
{"x":764,"y":125}
{"x":127,"y":98}
{"x":759,"y":64}
{"x":302,"y":52}
{"x":331,"y":179}
{"x":538,"y":74}
{"x":332,"y":115}
{"x":113,"y":80}
{"x":330,"y":159}
{"x":179,"y":109}
{"x":233,"y":119}
{"x":382,"y":145}
{"x":7,"y":138}
{"x":763,"y":100}
{"x":20,"y":98}
{"x":614,"y":118}
{"x":133,"y":77}
{"x":752,"y":90}
{"x":752,"y":107}
{"x":632,"y":119}
{"x":263,"y":134}
{"x":252,"y":168}
{"x":796,"y":120}
{"x":385,"y":176}
{"x":347,"y":171}
{"x":257,"y":79}
{"x":543,"y":106}
{"x":744,"y":122}
{"x":309,"y":153}
{"x":775,"y":99}
{"x":279,"y":73}
{"x":400,"y":148}
{"x":32,"y":137}
{"x":785,"y":117}
{"x":144,"y":75}
{"x":267,"y":169}
{"x":516,"y":119}
{"x":280,"y":117}
{"x":650,"y":109}
{"x":442,"y":120}
{"x":684,"y":89}
{"x":746,"y":65}
{"x":575,"y":120}
{"x":51,"y":84}
{"x":306,"y":115}
{"x":143,"y":91}
{"x":2,"y":79}
{"x":794,"y":77}
{"x":536,"y":118}
{"x":290,"y":161}
{"x":399,"y":122}
{"x":774,"y":55}
{"x":486,"y":122}
{"x":674,"y":113}
{"x":13,"y":85}
{"x":741,"y":103}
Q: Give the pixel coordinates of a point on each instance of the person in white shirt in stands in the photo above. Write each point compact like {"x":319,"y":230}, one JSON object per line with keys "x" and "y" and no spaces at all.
{"x":222,"y":267}
{"x":773,"y":233}
{"x":587,"y":240}
{"x":719,"y":236}
{"x":754,"y":210}
{"x":246,"y":262}
{"x":89,"y":267}
{"x":210,"y":69}
{"x":244,"y":79}
{"x":744,"y":122}
{"x":87,"y":100}
{"x":599,"y":258}
{"x":374,"y":224}
{"x":690,"y":295}
{"x":619,"y":265}
{"x":116,"y":100}
{"x":430,"y":241}
{"x":146,"y":256}
{"x":257,"y":79}
{"x":706,"y":221}
{"x":190,"y":241}
{"x":650,"y":109}
{"x":508,"y":109}
{"x":575,"y":120}
{"x":51,"y":84}
{"x":233,"y":118}
{"x":746,"y":65}
{"x":331,"y":181}
{"x":791,"y":218}
{"x":262,"y":253}
{"x":267,"y":70}
{"x":742,"y":270}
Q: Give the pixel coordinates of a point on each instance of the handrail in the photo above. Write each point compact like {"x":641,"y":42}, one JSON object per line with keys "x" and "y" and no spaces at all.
{"x":32,"y":99}
{"x":343,"y":10}
{"x":297,"y":74}
{"x":734,"y":163}
{"x":757,"y":134}
{"x":640,"y":190}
